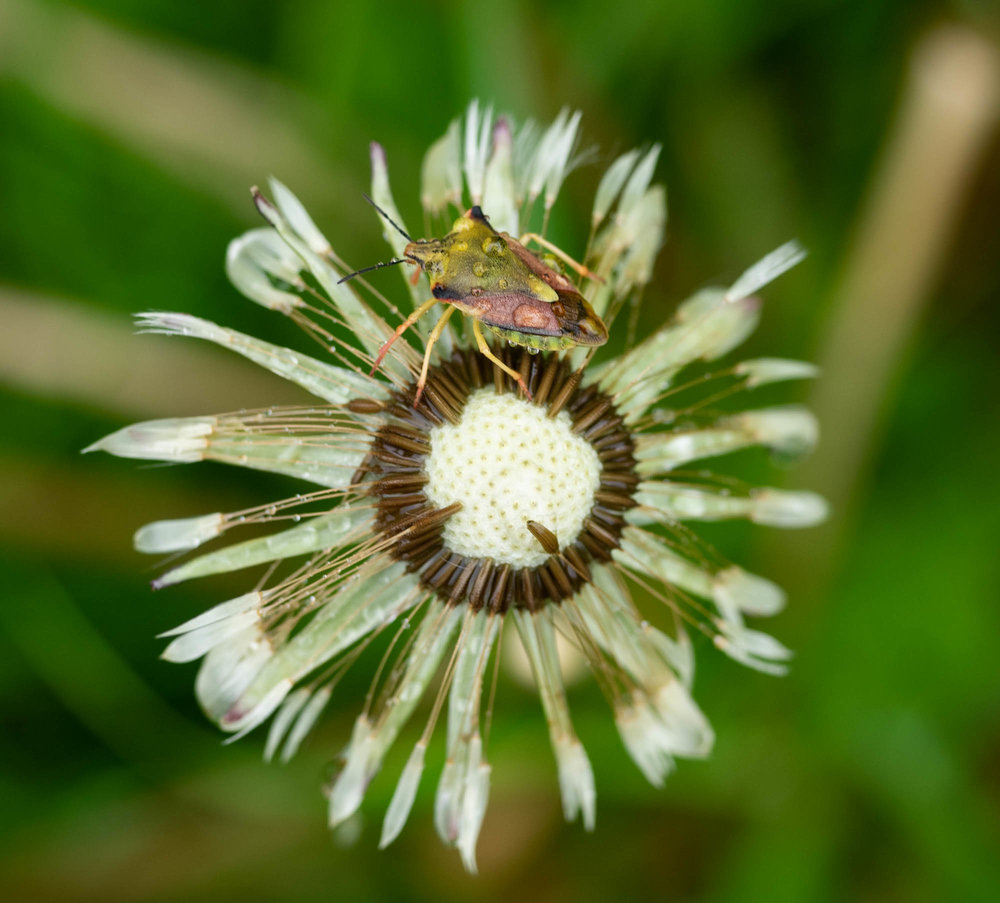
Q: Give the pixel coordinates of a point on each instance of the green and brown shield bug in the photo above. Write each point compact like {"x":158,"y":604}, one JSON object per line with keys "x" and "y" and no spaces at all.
{"x":494,"y":279}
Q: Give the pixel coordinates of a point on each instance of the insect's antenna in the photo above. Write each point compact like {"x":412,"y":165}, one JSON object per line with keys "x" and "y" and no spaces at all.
{"x":387,"y":218}
{"x":376,"y":266}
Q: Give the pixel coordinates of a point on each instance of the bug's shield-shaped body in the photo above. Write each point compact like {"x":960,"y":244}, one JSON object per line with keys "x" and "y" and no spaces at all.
{"x":492,"y":277}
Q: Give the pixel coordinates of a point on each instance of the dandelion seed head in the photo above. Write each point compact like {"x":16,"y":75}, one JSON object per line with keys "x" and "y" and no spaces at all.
{"x":526,"y":487}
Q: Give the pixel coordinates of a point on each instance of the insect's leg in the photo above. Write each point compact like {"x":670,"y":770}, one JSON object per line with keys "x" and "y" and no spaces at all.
{"x":561,"y":254}
{"x":406,"y":324}
{"x":431,"y":339}
{"x":484,"y":349}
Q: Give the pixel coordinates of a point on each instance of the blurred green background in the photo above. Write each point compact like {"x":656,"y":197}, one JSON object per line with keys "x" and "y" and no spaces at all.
{"x":130,"y":131}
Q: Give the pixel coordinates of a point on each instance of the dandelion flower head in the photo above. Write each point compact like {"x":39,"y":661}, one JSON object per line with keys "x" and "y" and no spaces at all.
{"x":482,"y":508}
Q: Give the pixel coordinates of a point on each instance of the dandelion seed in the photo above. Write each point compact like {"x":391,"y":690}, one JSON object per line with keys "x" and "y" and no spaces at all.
{"x":479,"y":506}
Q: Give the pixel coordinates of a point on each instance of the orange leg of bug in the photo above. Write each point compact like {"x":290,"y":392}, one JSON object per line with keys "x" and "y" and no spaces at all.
{"x":406,"y":324}
{"x":484,"y":349}
{"x":431,"y":339}
{"x":561,"y":254}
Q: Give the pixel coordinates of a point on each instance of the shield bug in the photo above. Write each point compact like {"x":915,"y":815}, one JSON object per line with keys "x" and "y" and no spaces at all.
{"x":494,"y":279}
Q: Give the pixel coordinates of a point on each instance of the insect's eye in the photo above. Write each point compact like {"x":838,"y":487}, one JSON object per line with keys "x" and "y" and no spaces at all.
{"x":438,"y":290}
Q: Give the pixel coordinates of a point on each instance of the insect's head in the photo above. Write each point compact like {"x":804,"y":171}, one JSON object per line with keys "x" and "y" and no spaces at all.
{"x":430,"y":254}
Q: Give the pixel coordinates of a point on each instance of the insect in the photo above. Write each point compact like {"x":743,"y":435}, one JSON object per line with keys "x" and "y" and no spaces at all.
{"x":494,"y":279}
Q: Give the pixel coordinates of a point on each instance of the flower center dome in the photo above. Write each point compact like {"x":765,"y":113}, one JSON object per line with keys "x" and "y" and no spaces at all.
{"x":508,"y":462}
